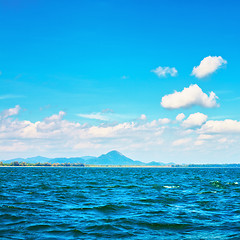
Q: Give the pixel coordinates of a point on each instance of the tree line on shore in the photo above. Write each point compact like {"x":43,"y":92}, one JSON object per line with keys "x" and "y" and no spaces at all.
{"x":47,"y":164}
{"x":67,"y":164}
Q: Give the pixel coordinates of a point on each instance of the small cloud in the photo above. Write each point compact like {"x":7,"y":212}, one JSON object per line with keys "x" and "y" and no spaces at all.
{"x":193,"y":95}
{"x":181,"y":141}
{"x":107,"y":115}
{"x":143,"y":117}
{"x":163,"y":121}
{"x":10,"y":96}
{"x":205,"y":137}
{"x":195,"y":120}
{"x":208,"y":66}
{"x":10,"y":112}
{"x":180,"y":117}
{"x":164,"y":71}
{"x":124,"y":77}
{"x":96,"y":116}
{"x":55,"y":117}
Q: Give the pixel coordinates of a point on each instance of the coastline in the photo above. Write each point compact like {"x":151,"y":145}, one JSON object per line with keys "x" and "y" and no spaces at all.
{"x":123,"y":166}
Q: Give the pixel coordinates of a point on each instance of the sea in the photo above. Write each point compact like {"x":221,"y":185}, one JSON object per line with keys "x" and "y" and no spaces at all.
{"x":119,"y":203}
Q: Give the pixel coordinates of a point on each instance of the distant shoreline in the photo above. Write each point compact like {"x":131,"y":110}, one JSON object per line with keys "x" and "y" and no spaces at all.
{"x":112,"y":159}
{"x":123,"y":166}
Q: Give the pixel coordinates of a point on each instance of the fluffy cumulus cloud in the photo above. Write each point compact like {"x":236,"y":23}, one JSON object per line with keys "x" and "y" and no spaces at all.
{"x":164,"y":71}
{"x":160,"y":121}
{"x":193,"y":95}
{"x":228,"y":126}
{"x":195,"y":120}
{"x":54,"y":133}
{"x":208,"y":66}
{"x":164,"y":120}
{"x":55,"y":117}
{"x":55,"y":136}
{"x":180,"y":117}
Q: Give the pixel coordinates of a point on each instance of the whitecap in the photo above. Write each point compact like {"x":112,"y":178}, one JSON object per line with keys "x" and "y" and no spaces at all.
{"x":171,"y":186}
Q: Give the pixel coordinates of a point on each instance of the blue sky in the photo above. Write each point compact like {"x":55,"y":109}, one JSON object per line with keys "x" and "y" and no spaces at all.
{"x":94,"y":62}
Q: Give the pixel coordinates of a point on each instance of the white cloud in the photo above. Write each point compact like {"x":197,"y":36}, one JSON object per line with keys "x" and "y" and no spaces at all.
{"x":55,"y":117}
{"x":195,"y":120}
{"x":107,"y":115}
{"x":15,"y":146}
{"x":226,"y":126}
{"x":143,"y":117}
{"x":97,"y":116}
{"x":205,"y":137}
{"x":207,"y":66}
{"x":164,"y":71}
{"x":9,"y":96}
{"x":193,"y":95}
{"x":181,"y":141}
{"x":156,"y":123}
{"x":164,"y":120}
{"x":56,"y":134}
{"x":180,"y":117}
{"x":10,"y":112}
{"x":198,"y":143}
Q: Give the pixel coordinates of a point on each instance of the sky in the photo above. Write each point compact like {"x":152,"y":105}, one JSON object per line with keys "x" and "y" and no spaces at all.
{"x":155,"y":80}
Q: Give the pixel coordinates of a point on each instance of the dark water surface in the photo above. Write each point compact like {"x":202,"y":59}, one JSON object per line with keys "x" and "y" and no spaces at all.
{"x":126,"y":203}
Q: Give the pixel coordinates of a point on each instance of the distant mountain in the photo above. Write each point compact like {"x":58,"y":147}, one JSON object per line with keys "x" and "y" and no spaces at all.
{"x":155,"y":164}
{"x":29,"y":160}
{"x":159,"y":164}
{"x":87,"y":157}
{"x":38,"y":159}
{"x":111,"y":158}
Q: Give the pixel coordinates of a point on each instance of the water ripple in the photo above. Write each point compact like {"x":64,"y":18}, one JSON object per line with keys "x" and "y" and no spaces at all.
{"x":126,"y":203}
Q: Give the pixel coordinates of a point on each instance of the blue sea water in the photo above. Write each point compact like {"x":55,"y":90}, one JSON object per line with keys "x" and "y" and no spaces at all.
{"x":114,"y":203}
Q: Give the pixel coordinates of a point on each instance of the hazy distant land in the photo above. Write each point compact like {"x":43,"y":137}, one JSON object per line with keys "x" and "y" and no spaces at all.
{"x":111,"y":159}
